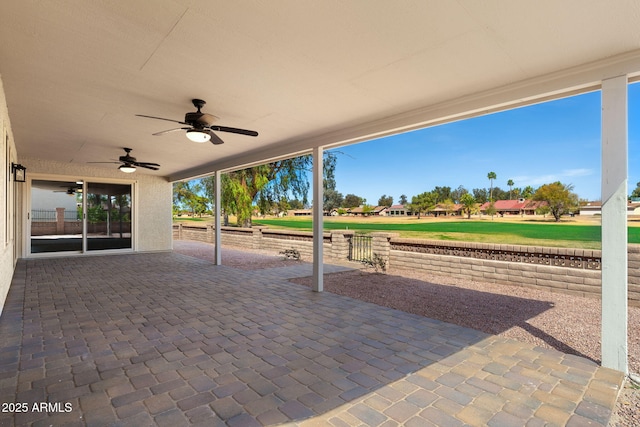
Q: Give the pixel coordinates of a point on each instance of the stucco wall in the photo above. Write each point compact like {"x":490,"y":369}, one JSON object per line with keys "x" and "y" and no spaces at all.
{"x":7,"y":222}
{"x":153,"y":195}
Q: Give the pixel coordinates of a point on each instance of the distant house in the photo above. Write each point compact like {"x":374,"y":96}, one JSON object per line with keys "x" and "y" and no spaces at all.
{"x":376,"y":211}
{"x":442,"y":209}
{"x":591,"y":208}
{"x":299,"y":212}
{"x":398,"y":210}
{"x":595,"y":208}
{"x":514,"y":207}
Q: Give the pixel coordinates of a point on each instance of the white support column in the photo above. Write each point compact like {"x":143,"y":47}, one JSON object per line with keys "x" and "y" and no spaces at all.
{"x":217,"y":240}
{"x":317,"y":219}
{"x":614,"y":223}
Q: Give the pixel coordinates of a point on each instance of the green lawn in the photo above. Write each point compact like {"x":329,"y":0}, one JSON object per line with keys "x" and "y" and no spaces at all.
{"x":185,"y":219}
{"x":546,"y":234}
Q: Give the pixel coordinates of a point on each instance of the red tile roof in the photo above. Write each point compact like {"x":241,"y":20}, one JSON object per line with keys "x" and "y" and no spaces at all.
{"x":514,"y":205}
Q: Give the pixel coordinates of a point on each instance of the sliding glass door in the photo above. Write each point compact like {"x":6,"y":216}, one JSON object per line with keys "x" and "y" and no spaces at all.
{"x":78,"y":216}
{"x":56,"y":216}
{"x":108,"y":216}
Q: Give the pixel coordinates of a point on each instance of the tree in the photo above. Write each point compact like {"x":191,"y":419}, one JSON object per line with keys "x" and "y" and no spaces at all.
{"x":266,"y":184}
{"x":181,"y":193}
{"x":543,"y":210}
{"x":198,"y":205}
{"x":282,"y":206}
{"x":385,"y":200}
{"x":491,"y":210}
{"x":352,"y":201}
{"x":332,"y":199}
{"x":510,"y":184}
{"x":560,"y":198}
{"x":516,"y":192}
{"x":491,"y":176}
{"x":442,"y":193}
{"x":456,"y":195}
{"x":480,"y":194}
{"x":403,"y":199}
{"x":468,"y":204}
{"x":295,"y":204}
{"x":636,"y":191}
{"x":423,"y":202}
{"x":500,"y":194}
{"x":527,"y":192}
{"x":188,"y":195}
{"x":448,"y":206}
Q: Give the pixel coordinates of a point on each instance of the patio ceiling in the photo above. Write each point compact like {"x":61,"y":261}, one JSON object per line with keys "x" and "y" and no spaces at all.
{"x":301,"y":73}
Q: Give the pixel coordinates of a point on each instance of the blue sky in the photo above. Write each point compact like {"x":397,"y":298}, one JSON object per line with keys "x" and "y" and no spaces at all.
{"x":534,"y":145}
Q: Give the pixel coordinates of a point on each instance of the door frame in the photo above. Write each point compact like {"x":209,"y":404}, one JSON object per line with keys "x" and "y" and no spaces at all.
{"x":26,"y":240}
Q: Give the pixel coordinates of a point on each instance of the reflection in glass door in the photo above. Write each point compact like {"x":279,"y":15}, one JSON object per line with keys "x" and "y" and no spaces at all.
{"x":55,"y":217}
{"x":108,"y":216}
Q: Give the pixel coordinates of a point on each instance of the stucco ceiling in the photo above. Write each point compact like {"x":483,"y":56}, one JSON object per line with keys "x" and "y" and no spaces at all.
{"x":301,"y":73}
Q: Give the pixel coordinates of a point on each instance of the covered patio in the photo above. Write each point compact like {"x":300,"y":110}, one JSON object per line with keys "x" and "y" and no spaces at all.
{"x":166,"y":339}
{"x":137,"y":337}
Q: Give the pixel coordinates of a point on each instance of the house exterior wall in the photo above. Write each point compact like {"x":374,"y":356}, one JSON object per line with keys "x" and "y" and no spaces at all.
{"x":152,"y":198}
{"x":8,"y":196}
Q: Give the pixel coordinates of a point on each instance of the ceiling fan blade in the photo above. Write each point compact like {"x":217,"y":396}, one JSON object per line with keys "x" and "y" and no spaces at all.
{"x":234,"y":130}
{"x":161,"y":118}
{"x":169,"y":131}
{"x":215,"y":139}
{"x":147,"y":165}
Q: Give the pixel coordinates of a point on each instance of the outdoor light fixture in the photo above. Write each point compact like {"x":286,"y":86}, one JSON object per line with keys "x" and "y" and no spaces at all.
{"x":198,"y":135}
{"x":127,"y":168}
{"x":19,"y":172}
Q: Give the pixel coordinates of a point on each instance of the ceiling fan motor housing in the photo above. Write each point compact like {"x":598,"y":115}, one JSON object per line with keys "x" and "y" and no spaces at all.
{"x":199,"y":120}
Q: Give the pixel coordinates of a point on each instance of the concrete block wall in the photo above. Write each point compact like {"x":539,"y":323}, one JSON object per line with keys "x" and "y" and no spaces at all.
{"x":556,"y":279}
{"x":576,"y":277}
{"x":195,"y":233}
{"x":634,"y":273}
{"x":280,"y":240}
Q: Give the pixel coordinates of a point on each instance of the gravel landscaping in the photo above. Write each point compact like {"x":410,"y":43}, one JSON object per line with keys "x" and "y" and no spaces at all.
{"x":566,"y":323}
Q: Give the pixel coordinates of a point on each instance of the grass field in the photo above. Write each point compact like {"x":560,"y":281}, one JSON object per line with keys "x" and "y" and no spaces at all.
{"x":572,"y":234}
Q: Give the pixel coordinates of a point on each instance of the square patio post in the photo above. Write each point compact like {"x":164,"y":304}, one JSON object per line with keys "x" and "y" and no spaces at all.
{"x":317,"y":220}
{"x":614,"y":223}
{"x":217,"y":241}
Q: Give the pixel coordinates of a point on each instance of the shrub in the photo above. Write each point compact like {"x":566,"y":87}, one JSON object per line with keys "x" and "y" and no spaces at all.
{"x":378,"y":263}
{"x":291,"y":254}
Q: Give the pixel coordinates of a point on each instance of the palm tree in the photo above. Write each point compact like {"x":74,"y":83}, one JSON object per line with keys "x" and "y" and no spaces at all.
{"x":468,"y":203}
{"x":491,"y":176}
{"x":510,"y":184}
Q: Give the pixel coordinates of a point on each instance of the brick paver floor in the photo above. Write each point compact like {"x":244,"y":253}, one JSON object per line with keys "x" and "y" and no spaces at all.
{"x":169,"y":340}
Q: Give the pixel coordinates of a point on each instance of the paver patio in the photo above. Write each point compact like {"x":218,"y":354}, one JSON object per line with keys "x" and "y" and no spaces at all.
{"x":166,"y":339}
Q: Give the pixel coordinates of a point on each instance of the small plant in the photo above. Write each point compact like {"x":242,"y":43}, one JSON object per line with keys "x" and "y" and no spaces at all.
{"x":291,"y":254}
{"x":378,"y":263}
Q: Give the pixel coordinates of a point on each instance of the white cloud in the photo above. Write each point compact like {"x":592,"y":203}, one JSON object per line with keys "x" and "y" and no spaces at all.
{"x":577,"y":172}
{"x":536,"y":181}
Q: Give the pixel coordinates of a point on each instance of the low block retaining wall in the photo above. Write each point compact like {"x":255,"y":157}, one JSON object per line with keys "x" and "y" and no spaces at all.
{"x":572,"y":271}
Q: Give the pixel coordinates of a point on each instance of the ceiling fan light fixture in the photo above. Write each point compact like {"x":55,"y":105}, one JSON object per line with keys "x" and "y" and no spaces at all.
{"x":197,"y":135}
{"x":127,"y":168}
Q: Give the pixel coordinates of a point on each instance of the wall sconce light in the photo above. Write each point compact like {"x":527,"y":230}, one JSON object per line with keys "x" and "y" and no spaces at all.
{"x":19,"y":172}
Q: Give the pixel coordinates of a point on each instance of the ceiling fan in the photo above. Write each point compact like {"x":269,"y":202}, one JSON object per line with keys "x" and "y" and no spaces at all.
{"x":200,"y":127}
{"x":71,"y":190}
{"x":129,"y":163}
